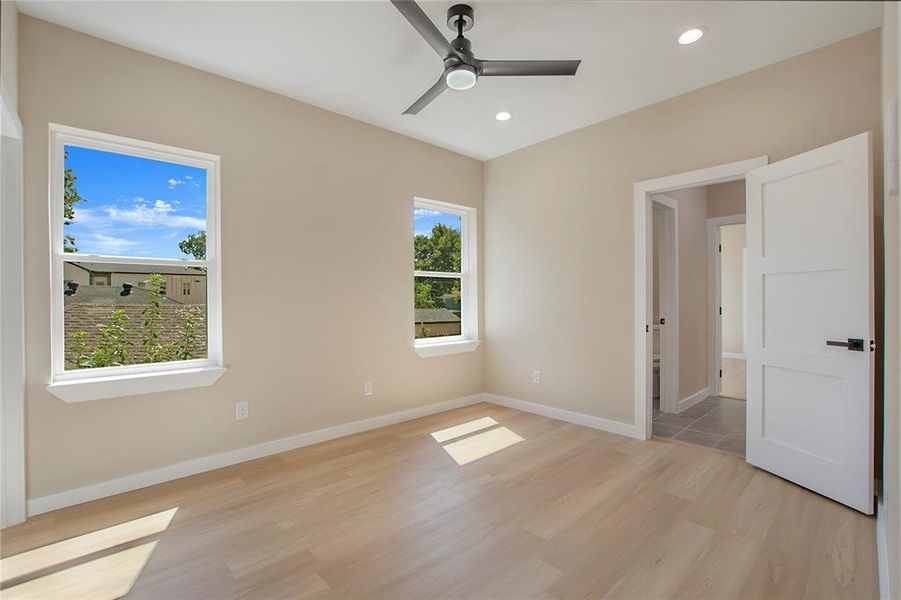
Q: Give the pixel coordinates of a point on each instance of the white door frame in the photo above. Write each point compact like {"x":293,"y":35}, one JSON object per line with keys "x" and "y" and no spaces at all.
{"x":669,"y":303}
{"x":715,"y":300}
{"x":12,"y":317}
{"x":642,"y":390}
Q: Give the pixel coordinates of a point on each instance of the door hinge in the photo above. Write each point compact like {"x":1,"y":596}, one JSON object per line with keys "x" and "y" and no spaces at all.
{"x":721,"y":373}
{"x":720,"y":249}
{"x":872,"y":345}
{"x":647,"y":328}
{"x":721,"y":310}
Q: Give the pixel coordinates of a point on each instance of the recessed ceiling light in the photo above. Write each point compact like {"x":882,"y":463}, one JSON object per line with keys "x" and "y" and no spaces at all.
{"x":503,"y":116}
{"x":691,"y":36}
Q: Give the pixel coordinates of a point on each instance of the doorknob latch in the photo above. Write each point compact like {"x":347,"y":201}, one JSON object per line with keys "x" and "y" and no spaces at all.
{"x":853,"y":344}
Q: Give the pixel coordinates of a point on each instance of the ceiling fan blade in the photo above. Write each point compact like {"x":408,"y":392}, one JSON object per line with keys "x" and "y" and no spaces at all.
{"x":424,"y":26}
{"x":516,"y":68}
{"x":432,"y":93}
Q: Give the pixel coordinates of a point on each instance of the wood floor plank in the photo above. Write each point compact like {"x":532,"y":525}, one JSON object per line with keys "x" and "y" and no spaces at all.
{"x":567,"y":512}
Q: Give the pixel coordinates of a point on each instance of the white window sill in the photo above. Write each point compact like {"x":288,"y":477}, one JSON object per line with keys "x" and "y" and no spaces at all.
{"x":428,"y":349}
{"x":98,"y":388}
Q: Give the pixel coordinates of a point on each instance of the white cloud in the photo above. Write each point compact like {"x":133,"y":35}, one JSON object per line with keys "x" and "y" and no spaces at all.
{"x":421,"y":213}
{"x":174,"y":182}
{"x":161,"y":214}
{"x":108,"y":244}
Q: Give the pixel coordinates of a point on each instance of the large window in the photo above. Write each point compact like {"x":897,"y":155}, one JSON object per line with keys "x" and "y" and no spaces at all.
{"x":135,"y":266}
{"x":445,"y":297}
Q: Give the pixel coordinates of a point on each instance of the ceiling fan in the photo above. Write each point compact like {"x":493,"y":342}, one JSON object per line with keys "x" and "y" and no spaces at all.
{"x":461,"y":68}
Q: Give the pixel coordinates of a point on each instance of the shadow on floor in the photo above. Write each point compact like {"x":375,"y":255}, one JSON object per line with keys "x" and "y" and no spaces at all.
{"x":714,"y":422}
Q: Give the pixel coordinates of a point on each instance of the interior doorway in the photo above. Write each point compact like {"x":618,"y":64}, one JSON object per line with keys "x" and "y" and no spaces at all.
{"x":726,"y":243}
{"x":694,"y":405}
{"x":808,"y":335}
{"x":665,"y":325}
{"x":697,"y":294}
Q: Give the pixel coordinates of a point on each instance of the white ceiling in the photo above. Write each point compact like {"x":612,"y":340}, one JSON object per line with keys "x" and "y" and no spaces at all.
{"x":363,"y":60}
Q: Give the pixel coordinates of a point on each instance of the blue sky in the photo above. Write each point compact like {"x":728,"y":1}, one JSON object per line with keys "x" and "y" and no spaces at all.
{"x":134,"y":206}
{"x":424,"y":219}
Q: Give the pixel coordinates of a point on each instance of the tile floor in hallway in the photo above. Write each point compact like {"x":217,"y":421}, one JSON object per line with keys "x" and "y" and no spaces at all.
{"x":715,"y":422}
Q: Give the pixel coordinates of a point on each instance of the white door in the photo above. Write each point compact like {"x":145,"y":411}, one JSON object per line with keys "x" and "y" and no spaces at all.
{"x":810,"y":320}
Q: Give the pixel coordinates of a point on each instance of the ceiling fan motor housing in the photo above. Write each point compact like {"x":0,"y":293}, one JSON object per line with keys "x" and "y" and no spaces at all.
{"x":457,"y":12}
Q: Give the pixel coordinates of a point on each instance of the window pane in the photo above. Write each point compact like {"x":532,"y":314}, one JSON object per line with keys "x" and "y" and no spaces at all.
{"x":436,"y":307}
{"x":121,"y":205}
{"x":436,"y":241}
{"x":119,"y":314}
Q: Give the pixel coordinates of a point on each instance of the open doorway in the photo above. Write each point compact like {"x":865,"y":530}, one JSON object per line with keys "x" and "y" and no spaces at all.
{"x":810,"y":304}
{"x":686,"y":398}
{"x":726,"y":242}
{"x":698,"y":361}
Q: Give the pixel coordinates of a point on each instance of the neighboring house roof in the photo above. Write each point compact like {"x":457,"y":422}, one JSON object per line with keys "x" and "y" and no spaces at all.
{"x":110,"y":295}
{"x":435,"y":315}
{"x":138,"y":269}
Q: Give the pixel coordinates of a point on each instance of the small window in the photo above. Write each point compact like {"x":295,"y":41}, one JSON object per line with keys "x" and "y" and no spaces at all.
{"x":134,"y":222}
{"x":445,"y":297}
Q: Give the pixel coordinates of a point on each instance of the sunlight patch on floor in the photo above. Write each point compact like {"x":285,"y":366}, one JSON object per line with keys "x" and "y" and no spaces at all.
{"x":104,"y":578}
{"x":463,"y":429}
{"x":107,"y":577}
{"x":82,"y":545}
{"x":481,"y":445}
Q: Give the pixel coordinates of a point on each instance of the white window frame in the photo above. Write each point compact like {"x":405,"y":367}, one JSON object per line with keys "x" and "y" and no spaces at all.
{"x":110,"y":382}
{"x":468,"y":340}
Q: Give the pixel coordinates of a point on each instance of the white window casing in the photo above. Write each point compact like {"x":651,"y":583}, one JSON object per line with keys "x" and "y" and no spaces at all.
{"x":110,"y":382}
{"x":468,"y":340}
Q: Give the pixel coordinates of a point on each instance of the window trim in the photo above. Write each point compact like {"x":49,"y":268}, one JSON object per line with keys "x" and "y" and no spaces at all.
{"x":468,"y":340}
{"x":108,"y":382}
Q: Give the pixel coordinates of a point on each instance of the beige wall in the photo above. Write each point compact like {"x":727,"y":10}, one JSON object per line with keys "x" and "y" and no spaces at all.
{"x":9,"y":50}
{"x":726,"y":199}
{"x":890,"y":514}
{"x":732,"y":238}
{"x":316,"y":211}
{"x":691,"y":227}
{"x":558,"y":215}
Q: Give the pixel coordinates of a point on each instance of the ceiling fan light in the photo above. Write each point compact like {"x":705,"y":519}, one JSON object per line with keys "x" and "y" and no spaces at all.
{"x":461,"y":77}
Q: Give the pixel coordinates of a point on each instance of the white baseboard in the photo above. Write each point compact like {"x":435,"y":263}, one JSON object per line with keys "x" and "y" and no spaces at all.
{"x":618,"y":427}
{"x":693,"y":399}
{"x":128,"y":483}
{"x":734,"y":355}
{"x":882,"y":558}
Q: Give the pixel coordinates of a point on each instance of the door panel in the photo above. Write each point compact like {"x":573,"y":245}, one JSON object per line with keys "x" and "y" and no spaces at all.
{"x":809,"y":279}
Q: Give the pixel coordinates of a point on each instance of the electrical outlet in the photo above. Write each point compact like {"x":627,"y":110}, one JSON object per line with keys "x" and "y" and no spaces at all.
{"x":241,"y":410}
{"x":367,"y":388}
{"x":536,"y":376}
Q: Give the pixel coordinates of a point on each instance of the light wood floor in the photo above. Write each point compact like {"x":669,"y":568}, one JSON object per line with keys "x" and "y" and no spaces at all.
{"x":567,"y":512}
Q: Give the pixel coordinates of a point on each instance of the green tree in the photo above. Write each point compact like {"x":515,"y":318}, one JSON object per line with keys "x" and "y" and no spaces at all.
{"x":195,"y":245}
{"x":422,"y":295}
{"x":187,"y":338}
{"x":440,"y":251}
{"x":112,"y":349}
{"x":156,"y":349}
{"x":70,"y":198}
